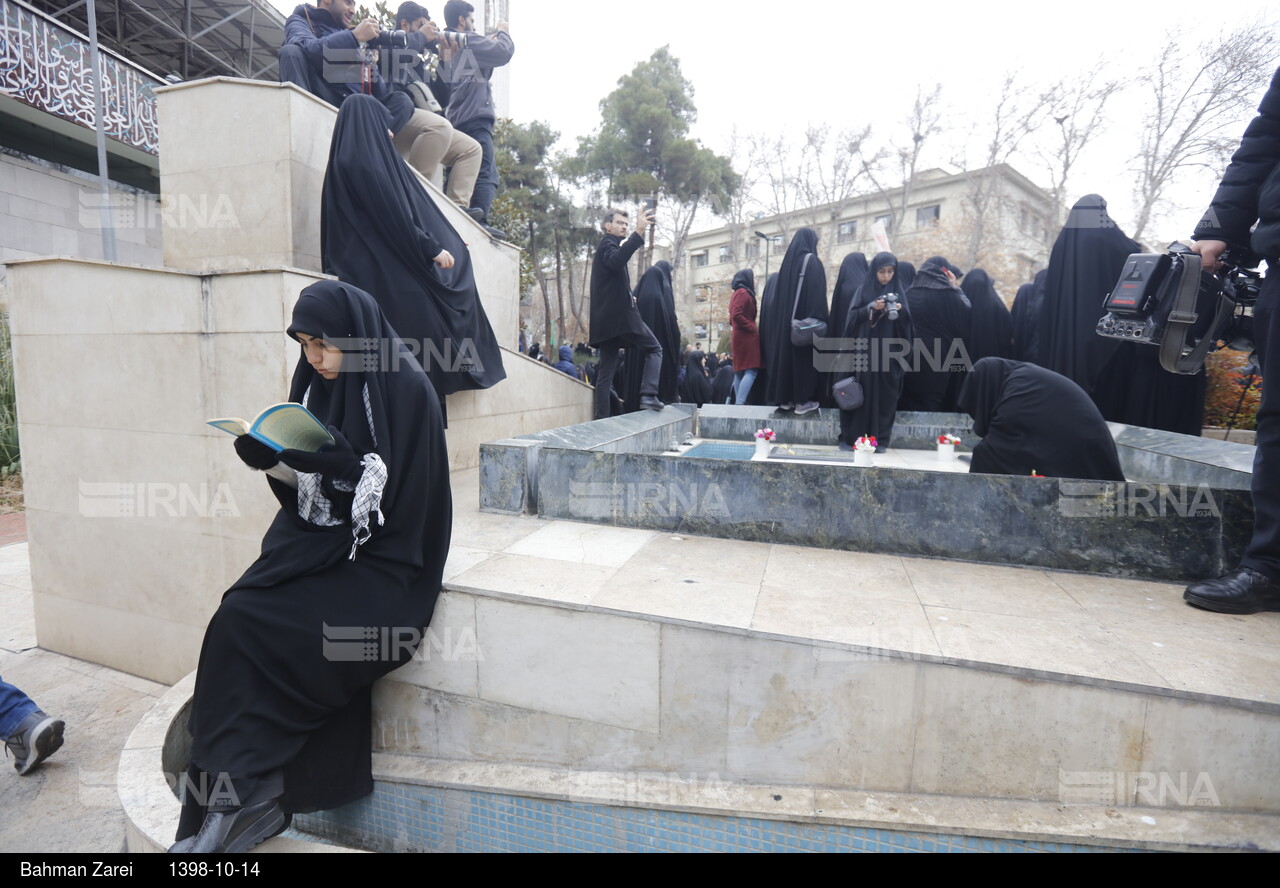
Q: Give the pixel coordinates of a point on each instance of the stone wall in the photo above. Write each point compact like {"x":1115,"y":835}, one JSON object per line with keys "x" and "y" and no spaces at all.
{"x":140,"y":516}
{"x":49,"y":210}
{"x":591,"y":690}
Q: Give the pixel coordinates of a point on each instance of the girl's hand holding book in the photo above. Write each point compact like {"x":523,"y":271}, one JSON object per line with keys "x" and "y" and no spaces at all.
{"x":338,"y":462}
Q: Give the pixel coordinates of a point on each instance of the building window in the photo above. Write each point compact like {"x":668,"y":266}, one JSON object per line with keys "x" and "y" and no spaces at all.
{"x":848,"y":231}
{"x":700,"y":260}
{"x":726,"y":255}
{"x":776,"y":240}
{"x":887,"y":222}
{"x":753,"y":249}
{"x":927,"y":217}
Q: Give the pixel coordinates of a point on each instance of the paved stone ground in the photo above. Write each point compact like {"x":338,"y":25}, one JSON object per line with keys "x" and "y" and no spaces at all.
{"x":70,"y":802}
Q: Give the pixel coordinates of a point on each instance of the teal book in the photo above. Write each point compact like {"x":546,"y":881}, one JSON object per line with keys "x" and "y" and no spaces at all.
{"x":286,"y":426}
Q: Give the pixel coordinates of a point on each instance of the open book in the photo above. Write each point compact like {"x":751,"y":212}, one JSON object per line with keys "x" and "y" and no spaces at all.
{"x":281,"y":427}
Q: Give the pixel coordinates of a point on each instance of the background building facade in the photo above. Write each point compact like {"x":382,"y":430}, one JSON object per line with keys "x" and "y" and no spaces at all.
{"x":993,"y":218}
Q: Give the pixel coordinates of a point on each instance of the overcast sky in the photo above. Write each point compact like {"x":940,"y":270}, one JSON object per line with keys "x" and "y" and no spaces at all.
{"x":775,"y":67}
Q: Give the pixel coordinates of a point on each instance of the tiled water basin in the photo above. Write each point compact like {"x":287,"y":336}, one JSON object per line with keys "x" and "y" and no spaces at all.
{"x":921,"y":460}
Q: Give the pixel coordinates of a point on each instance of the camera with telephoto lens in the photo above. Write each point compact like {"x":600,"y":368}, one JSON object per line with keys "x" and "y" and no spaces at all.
{"x":390,"y":40}
{"x":1168,"y":300}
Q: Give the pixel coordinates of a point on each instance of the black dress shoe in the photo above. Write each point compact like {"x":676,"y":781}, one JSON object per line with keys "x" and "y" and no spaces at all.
{"x":650,"y":402}
{"x":237,"y":830}
{"x":1244,"y":592}
{"x":476,"y":213}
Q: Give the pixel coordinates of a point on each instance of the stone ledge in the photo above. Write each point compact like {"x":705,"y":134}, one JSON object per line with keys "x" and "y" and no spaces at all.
{"x":1160,"y":829}
{"x":150,"y":807}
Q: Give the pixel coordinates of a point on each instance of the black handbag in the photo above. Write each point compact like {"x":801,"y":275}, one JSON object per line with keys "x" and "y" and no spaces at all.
{"x":848,"y":393}
{"x":804,"y":330}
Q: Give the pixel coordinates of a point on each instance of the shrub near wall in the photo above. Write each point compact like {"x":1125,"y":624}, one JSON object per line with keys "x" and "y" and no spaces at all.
{"x":1228,"y":380}
{"x":10,"y":457}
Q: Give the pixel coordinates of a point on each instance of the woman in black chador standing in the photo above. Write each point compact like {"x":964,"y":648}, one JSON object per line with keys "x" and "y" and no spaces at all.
{"x":1124,"y":379}
{"x":940,"y":315}
{"x":656,"y":303}
{"x":853,"y":272}
{"x":696,"y":388}
{"x":281,"y":718}
{"x":871,"y":320}
{"x":793,"y":380}
{"x":990,"y":324}
{"x":382,"y":232}
{"x":1026,"y":318}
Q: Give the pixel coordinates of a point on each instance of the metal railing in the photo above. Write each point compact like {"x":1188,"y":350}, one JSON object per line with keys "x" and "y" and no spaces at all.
{"x":45,"y":64}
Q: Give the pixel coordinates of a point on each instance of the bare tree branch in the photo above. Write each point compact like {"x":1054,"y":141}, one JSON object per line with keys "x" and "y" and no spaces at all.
{"x":1195,"y":103}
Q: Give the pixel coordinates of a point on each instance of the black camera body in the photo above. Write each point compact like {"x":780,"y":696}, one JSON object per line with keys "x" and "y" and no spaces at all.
{"x":892,"y":305}
{"x":1167,"y":300}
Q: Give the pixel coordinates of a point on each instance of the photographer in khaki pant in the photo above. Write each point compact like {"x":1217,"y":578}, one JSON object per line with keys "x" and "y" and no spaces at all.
{"x":1249,"y":193}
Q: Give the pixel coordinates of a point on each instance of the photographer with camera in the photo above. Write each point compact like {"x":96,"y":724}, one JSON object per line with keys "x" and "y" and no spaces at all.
{"x":326,"y":56}
{"x":471,"y":108}
{"x":878,"y":312}
{"x":615,"y":318}
{"x":434,"y":142}
{"x":1249,"y":193}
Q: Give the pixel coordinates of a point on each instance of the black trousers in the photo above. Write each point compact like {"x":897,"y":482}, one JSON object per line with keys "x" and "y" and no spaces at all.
{"x":1263,"y":551}
{"x":609,"y":355}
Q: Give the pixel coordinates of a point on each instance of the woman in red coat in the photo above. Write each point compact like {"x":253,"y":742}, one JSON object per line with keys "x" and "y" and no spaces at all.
{"x":745,"y":338}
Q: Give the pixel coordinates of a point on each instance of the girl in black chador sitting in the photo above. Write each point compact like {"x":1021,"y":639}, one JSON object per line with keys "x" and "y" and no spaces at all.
{"x":280,"y":719}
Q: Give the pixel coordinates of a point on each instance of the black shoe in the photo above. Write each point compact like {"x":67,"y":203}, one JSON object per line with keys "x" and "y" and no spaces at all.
{"x":882,"y":448}
{"x":846,"y":447}
{"x":495,"y":233}
{"x":1244,"y":592}
{"x":476,"y":213}
{"x":38,"y":736}
{"x":237,"y":830}
{"x":651,"y":402}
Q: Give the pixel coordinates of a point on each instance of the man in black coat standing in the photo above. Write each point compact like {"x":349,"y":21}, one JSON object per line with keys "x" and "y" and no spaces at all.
{"x":615,"y":320}
{"x":1249,"y":193}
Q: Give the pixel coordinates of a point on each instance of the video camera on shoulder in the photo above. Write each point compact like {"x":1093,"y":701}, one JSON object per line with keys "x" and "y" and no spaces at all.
{"x":1168,"y":300}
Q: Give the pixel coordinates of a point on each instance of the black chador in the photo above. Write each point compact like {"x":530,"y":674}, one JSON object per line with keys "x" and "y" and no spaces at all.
{"x":990,"y":324}
{"x":282,"y":695}
{"x":381,"y":233}
{"x":1124,"y":379}
{"x":1033,"y":420}
{"x":1026,"y":318}
{"x":697,"y":387}
{"x":768,"y":306}
{"x":722,"y":383}
{"x":940,"y":316}
{"x":853,"y":271}
{"x":883,"y":345}
{"x":1087,"y":258}
{"x":656,"y":302}
{"x":793,"y":379}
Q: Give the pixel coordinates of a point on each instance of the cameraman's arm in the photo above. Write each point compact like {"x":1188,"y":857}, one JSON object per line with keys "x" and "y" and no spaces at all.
{"x":297,"y":32}
{"x":1235,"y":205}
{"x":615,"y":257}
{"x":491,"y":52}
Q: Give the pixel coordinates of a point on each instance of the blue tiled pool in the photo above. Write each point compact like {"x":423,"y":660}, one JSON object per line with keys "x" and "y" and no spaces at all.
{"x":415,"y":818}
{"x":721,"y":450}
